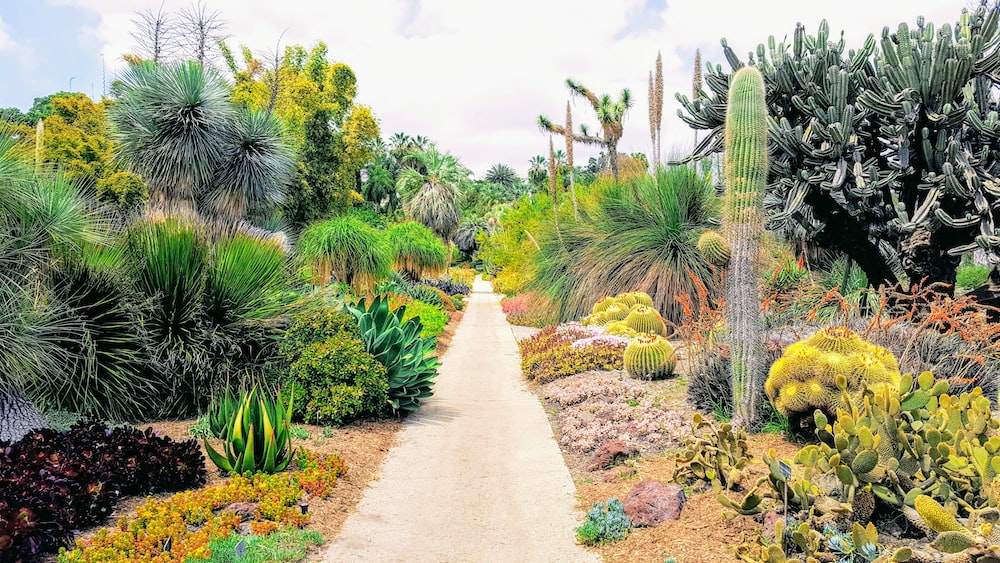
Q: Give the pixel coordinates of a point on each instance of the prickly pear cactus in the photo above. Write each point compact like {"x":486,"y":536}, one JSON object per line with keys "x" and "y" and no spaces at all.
{"x":650,"y":357}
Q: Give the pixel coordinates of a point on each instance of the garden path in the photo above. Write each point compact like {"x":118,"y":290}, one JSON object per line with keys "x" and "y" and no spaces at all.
{"x":476,"y":475}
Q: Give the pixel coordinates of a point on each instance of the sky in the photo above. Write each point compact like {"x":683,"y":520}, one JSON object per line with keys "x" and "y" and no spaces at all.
{"x":471,"y":75}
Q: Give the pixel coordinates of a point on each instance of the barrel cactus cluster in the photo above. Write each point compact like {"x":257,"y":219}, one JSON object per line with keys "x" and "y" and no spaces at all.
{"x":804,"y":378}
{"x":627,"y":314}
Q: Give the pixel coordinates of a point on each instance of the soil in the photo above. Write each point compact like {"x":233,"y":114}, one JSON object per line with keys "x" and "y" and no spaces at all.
{"x":702,"y":535}
{"x":363,"y":446}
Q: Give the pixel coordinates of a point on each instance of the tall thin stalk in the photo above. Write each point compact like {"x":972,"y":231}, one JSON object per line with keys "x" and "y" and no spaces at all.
{"x":569,"y":161}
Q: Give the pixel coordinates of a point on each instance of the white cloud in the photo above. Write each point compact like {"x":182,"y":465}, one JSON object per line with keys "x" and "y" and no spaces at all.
{"x":475,"y":75}
{"x":7,"y":43}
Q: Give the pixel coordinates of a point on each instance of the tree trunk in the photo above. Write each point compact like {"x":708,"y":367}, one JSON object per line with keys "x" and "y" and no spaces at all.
{"x":18,"y":416}
{"x":925,"y":259}
{"x":613,"y":158}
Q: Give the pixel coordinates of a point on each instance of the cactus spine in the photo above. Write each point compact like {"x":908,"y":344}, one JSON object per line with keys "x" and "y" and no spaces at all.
{"x":745,"y":163}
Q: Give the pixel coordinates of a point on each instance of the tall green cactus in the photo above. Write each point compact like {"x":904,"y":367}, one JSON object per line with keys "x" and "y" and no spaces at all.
{"x":745,"y":163}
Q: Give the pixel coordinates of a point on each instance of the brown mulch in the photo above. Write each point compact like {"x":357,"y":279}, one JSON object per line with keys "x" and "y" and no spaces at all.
{"x":363,"y":446}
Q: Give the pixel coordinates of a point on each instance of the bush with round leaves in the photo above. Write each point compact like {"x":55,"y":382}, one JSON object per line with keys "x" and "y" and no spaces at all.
{"x":336,"y":381}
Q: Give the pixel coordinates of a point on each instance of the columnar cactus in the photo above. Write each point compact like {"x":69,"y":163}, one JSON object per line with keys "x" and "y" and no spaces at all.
{"x":745,"y":163}
{"x":650,"y":357}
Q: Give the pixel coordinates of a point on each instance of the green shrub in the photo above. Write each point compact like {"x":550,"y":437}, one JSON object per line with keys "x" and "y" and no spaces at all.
{"x":563,"y":361}
{"x":972,"y":276}
{"x":433,"y":318}
{"x":337,"y":381}
{"x":605,"y":523}
{"x":316,"y":325}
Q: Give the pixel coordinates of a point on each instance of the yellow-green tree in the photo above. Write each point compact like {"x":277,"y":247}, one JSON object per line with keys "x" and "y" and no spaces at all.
{"x":335,"y":136}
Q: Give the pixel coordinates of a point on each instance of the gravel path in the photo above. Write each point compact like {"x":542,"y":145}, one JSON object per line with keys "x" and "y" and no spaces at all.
{"x":476,"y":475}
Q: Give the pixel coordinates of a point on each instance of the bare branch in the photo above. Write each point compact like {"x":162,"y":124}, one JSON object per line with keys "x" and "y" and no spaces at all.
{"x":201,"y":32}
{"x":155,"y":35}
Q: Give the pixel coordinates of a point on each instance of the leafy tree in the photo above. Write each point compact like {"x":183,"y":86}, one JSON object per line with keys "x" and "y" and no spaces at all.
{"x":879,"y":153}
{"x":503,"y":175}
{"x":336,"y":137}
{"x":433,"y":197}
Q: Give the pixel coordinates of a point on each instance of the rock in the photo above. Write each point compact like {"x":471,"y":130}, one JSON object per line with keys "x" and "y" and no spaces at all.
{"x":651,"y":502}
{"x":244,"y":510}
{"x":770,"y":519}
{"x":615,"y":473}
{"x":611,"y":453}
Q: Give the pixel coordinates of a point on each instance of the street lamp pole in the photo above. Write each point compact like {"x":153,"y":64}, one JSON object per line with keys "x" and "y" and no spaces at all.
{"x":71,"y":83}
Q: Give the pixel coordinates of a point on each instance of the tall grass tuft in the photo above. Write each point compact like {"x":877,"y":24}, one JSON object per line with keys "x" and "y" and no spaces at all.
{"x":349,"y":250}
{"x":417,"y":253}
{"x":244,"y":276}
{"x":637,"y":235}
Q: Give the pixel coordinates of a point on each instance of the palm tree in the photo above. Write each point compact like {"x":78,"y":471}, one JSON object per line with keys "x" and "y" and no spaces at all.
{"x":432,"y":196}
{"x":538,"y":173}
{"x":503,"y":175}
{"x":201,"y":156}
{"x":610,"y":115}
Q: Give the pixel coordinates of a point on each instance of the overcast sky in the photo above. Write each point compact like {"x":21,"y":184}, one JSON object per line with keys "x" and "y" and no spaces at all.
{"x":471,"y":75}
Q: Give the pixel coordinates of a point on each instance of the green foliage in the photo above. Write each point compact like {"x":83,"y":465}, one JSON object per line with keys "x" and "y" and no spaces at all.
{"x":337,"y":381}
{"x":235,"y":162}
{"x":257,"y":437}
{"x":649,"y":357}
{"x":647,"y":227}
{"x":410,"y":366}
{"x":316,"y":325}
{"x":717,"y":454}
{"x":972,"y":276}
{"x":123,"y":189}
{"x":348,"y":249}
{"x":416,"y":252}
{"x":926,"y":95}
{"x":286,"y":545}
{"x":201,"y":429}
{"x":605,"y":523}
{"x":300,"y":433}
{"x":431,"y":317}
{"x":244,"y":276}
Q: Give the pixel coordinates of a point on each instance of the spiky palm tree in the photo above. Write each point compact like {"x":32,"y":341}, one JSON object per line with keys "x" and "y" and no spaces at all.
{"x":432,"y":196}
{"x":538,"y":172}
{"x":201,"y":156}
{"x":502,"y":174}
{"x":610,"y":116}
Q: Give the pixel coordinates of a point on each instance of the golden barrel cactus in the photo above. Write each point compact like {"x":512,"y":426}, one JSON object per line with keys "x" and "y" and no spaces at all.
{"x":615,"y":313}
{"x":645,"y":319}
{"x":804,"y":378}
{"x":714,"y":248}
{"x":602,"y":304}
{"x":650,"y":357}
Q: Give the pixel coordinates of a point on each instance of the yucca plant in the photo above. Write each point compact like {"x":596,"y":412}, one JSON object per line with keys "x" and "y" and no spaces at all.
{"x":410,"y":366}
{"x":244,"y":276}
{"x":417,"y":253}
{"x":346,"y":247}
{"x":257,"y":436}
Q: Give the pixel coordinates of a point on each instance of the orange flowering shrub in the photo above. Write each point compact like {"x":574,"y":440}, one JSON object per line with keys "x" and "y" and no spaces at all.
{"x":193,"y":518}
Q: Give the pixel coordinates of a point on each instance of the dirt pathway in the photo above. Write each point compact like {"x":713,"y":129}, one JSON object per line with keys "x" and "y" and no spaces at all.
{"x":476,"y":475}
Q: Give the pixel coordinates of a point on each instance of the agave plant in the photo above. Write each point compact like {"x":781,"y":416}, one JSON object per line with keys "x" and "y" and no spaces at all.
{"x":397,"y":345}
{"x":257,"y":436}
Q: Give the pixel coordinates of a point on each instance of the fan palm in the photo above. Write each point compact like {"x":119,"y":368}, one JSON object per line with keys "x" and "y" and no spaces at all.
{"x":538,"y":174}
{"x":432,"y":197}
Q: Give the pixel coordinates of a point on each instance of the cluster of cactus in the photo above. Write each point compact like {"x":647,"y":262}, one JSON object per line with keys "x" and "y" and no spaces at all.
{"x":650,"y":356}
{"x":627,"y":314}
{"x":716,"y":454}
{"x":804,"y":378}
{"x":901,"y":443}
{"x":859,"y":544}
{"x":979,"y":536}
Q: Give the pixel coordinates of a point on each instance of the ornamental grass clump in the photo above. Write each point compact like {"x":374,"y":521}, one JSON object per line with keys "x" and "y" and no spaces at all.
{"x":347,"y":249}
{"x":416,"y":252}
